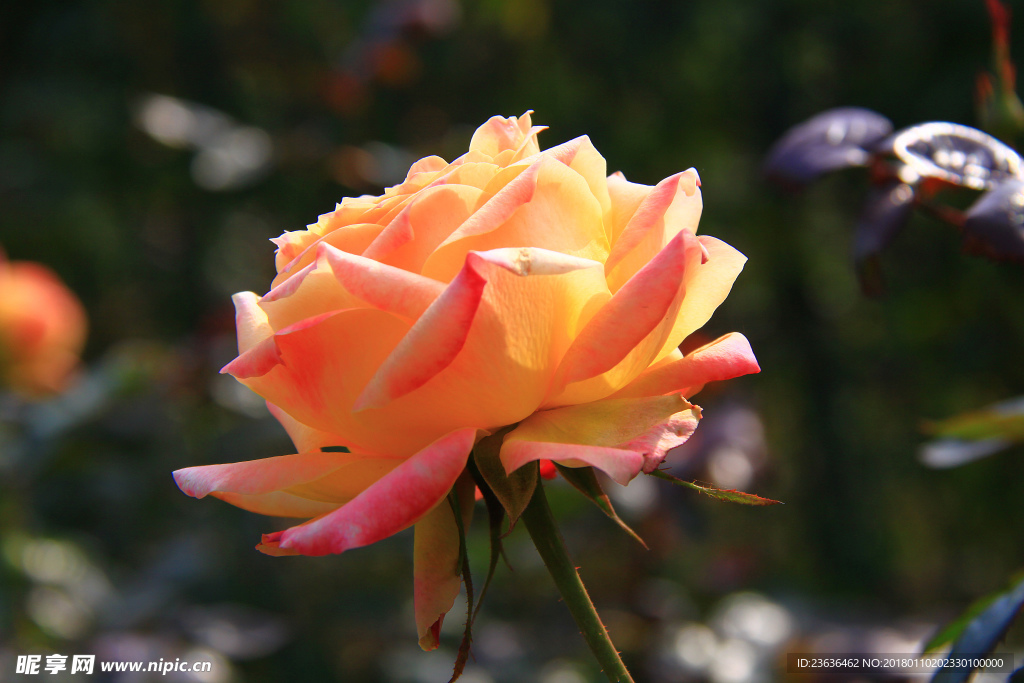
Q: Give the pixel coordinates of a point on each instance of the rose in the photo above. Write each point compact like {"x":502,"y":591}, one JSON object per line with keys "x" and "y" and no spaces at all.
{"x":511,"y":286}
{"x":42,"y":328}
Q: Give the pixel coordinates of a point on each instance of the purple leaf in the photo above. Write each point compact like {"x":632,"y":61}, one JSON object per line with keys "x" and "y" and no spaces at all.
{"x":886,"y":211}
{"x":834,"y":139}
{"x":994,"y":225}
{"x":957,"y":154}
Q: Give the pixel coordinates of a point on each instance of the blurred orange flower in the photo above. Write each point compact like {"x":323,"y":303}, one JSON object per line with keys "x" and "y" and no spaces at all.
{"x":42,"y":328}
{"x":509,"y":287}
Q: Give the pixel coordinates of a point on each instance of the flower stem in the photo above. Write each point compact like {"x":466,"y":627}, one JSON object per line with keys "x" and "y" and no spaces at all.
{"x":541,"y":525}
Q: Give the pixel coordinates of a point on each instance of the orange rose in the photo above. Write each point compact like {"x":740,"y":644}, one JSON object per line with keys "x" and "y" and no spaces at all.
{"x":511,"y":286}
{"x":42,"y":328}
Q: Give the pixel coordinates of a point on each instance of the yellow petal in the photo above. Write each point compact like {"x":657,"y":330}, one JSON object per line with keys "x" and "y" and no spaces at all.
{"x":673,"y":205}
{"x":625,"y":198}
{"x":436,"y":568}
{"x":251,"y":321}
{"x":528,"y":313}
{"x":426,"y":222}
{"x":624,"y":425}
{"x":626,"y":335}
{"x":311,"y":291}
{"x":548,"y":206}
{"x":707,"y":286}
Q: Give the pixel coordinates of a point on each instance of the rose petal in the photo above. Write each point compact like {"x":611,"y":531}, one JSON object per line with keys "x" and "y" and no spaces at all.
{"x":290,"y":245}
{"x":581,"y":156}
{"x":726,"y":357}
{"x":348,"y":481}
{"x":437,"y":574}
{"x":508,"y":345}
{"x":613,"y":435}
{"x":393,"y":503}
{"x":309,"y":292}
{"x":707,"y":286}
{"x":625,"y":198}
{"x":353,"y":239}
{"x":356,"y":224}
{"x":626,"y":334}
{"x":518,"y":191}
{"x":618,"y":463}
{"x":499,"y":134}
{"x":431,"y":164}
{"x":288,"y":369}
{"x":301,"y":485}
{"x":382,"y":286}
{"x":430,"y":218}
{"x":303,"y":436}
{"x":430,"y":346}
{"x":256,"y":361}
{"x":663,"y":437}
{"x":260,"y":476}
{"x":673,"y":205}
{"x":319,"y":366}
{"x":548,"y":206}
{"x":250,"y":321}
{"x":476,"y":174}
{"x":277,"y":504}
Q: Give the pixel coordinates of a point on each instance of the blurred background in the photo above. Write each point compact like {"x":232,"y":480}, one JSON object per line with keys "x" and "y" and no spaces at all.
{"x":148,"y":151}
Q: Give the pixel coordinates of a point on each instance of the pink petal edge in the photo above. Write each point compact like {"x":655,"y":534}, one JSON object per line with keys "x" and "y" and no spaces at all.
{"x":727,"y":357}
{"x":620,"y":464}
{"x":630,"y":315}
{"x":431,"y":345}
{"x":394,"y":502}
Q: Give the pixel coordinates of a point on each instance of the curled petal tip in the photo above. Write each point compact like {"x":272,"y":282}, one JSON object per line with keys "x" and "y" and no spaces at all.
{"x":183,"y":482}
{"x":256,"y":362}
{"x":271,"y":545}
{"x":432,"y":638}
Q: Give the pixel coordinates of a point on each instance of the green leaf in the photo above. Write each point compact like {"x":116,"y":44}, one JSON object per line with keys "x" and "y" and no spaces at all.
{"x":585,"y":480}
{"x":513,"y":490}
{"x":728,"y":495}
{"x":1004,"y":420}
{"x":951,"y":631}
{"x":495,"y":516}
{"x":982,"y":633}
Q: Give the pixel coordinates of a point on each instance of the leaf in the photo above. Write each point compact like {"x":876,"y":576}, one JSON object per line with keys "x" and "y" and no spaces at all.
{"x":886,"y":212}
{"x":993,"y":224}
{"x":981,"y":634}
{"x":728,"y":495}
{"x":1003,"y":420}
{"x":513,"y":490}
{"x":975,"y":434}
{"x":956,"y":154}
{"x":495,"y":515}
{"x":585,"y":480}
{"x":951,"y":631}
{"x":832,"y":140}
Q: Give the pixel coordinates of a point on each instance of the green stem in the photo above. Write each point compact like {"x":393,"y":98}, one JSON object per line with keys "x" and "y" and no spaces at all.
{"x":541,"y":525}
